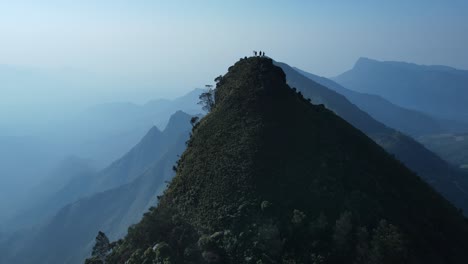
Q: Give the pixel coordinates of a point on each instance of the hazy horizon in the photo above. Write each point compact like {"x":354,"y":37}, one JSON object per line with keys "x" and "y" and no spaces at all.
{"x":141,"y":50}
{"x":71,"y":55}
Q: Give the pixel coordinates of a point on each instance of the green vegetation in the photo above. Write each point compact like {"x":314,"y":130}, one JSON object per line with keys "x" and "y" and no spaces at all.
{"x":207,"y":100}
{"x":268,"y":177}
{"x":100,"y":250}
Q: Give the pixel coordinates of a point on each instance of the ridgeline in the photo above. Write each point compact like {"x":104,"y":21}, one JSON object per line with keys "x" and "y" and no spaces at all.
{"x":269,"y":177}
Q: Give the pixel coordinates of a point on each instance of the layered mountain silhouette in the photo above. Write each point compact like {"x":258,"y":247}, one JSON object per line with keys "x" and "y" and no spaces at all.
{"x":41,"y":201}
{"x":445,"y":178}
{"x":408,"y":121}
{"x":122,"y":171}
{"x":438,"y":90}
{"x":22,"y":159}
{"x":105,"y":132}
{"x":268,"y":177}
{"x":102,"y":134}
{"x":110,"y":200}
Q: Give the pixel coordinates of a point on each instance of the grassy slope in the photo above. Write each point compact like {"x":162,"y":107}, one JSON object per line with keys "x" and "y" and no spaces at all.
{"x":263,"y":142}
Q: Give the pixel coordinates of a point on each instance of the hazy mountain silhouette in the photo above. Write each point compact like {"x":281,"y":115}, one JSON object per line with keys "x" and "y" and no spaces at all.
{"x":42,"y":200}
{"x":438,"y":90}
{"x":106,"y":131}
{"x":405,"y":120}
{"x":268,"y":177}
{"x":101,"y":134}
{"x":130,"y":186}
{"x":24,"y":160}
{"x":151,"y":148}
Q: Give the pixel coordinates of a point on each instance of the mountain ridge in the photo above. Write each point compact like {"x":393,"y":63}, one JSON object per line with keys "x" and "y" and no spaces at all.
{"x":409,"y":65}
{"x":262,"y":171}
{"x":405,"y":120}
{"x":437,"y":90}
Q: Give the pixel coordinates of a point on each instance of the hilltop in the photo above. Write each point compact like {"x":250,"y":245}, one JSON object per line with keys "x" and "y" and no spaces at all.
{"x":269,"y":177}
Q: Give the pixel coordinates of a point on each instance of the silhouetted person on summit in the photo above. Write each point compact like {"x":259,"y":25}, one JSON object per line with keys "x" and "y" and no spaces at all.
{"x":255,"y":53}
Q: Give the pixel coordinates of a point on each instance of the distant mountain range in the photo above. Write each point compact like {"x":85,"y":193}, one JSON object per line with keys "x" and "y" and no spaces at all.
{"x":437,"y":90}
{"x":105,"y":132}
{"x":110,"y":200}
{"x":411,"y":122}
{"x":100,"y":135}
{"x":23,"y":160}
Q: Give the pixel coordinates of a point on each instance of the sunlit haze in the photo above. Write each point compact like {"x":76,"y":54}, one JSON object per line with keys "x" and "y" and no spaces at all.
{"x":138,"y":50}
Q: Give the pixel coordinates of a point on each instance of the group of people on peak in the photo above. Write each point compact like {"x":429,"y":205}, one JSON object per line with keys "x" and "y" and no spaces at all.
{"x":259,"y":53}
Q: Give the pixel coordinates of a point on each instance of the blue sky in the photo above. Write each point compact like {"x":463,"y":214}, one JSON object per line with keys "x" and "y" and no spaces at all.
{"x":165,"y":48}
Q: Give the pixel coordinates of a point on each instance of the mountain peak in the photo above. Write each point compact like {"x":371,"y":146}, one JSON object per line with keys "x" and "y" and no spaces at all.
{"x":153,"y":131}
{"x":268,"y":177}
{"x":248,"y":77}
{"x":364,"y":62}
{"x":150,"y":136}
{"x":177,"y":122}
